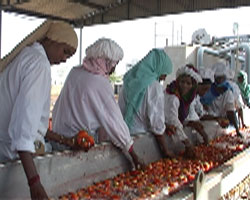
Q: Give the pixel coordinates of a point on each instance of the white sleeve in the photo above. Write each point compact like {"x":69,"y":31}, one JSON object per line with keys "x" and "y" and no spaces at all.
{"x":171,"y":108}
{"x":155,"y":108}
{"x":238,"y":98}
{"x":229,"y":98}
{"x":29,"y":104}
{"x":111,"y":119}
{"x":121,"y":101}
{"x":192,"y":114}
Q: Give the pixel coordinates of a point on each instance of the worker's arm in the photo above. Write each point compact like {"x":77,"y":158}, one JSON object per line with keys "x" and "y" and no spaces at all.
{"x":196,"y":125}
{"x":52,"y":136}
{"x":138,"y":162}
{"x":36,"y":189}
{"x":163,"y":146}
{"x":233,"y":120}
{"x":240,"y":114}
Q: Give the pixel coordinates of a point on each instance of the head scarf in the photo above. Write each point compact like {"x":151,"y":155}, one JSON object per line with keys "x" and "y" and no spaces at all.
{"x":102,"y":56}
{"x":191,"y":71}
{"x":137,"y":79}
{"x":244,"y":86}
{"x":57,"y":31}
{"x":174,"y":89}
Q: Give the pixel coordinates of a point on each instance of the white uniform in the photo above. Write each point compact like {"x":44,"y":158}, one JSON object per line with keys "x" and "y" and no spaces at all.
{"x":211,"y":127}
{"x":24,"y":101}
{"x":222,"y":104}
{"x":237,"y":94}
{"x":171,"y":108}
{"x":87,"y":102}
{"x":150,"y":116}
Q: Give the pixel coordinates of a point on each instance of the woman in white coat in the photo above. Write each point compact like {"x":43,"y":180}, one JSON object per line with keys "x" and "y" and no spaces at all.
{"x":220,"y":99}
{"x":25,"y":83}
{"x":179,"y":95}
{"x":87,"y":100}
{"x":142,"y":98}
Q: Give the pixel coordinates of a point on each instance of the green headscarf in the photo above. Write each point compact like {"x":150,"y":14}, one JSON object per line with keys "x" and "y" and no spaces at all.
{"x":244,"y":86}
{"x":137,"y":79}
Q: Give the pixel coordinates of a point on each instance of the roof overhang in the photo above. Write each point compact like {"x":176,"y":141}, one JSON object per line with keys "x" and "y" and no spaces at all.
{"x":89,"y":12}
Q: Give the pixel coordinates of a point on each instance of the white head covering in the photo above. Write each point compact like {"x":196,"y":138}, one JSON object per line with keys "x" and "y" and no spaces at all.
{"x":220,"y":69}
{"x":189,"y":71}
{"x":105,"y":48}
{"x":102,"y":56}
{"x":57,"y":31}
{"x":206,"y":73}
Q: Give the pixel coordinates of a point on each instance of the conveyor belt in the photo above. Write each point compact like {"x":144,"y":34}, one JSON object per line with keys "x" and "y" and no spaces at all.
{"x":63,"y":172}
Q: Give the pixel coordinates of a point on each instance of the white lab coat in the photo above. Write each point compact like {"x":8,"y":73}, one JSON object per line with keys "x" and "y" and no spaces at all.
{"x":150,"y":116}
{"x":87,"y":102}
{"x":237,"y":94}
{"x":223,"y":103}
{"x":211,"y":127}
{"x":24,"y":101}
{"x":171,"y":108}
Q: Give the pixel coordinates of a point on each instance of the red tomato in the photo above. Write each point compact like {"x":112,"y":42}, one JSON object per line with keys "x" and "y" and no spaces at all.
{"x":115,"y":197}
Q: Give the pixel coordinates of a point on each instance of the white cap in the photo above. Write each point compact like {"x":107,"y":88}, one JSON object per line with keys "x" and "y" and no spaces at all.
{"x":190,"y":72}
{"x":105,"y":48}
{"x":220,"y":69}
{"x":206,"y":73}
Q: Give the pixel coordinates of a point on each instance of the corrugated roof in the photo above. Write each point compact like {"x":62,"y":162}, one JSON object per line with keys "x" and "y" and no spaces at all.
{"x":89,"y":12}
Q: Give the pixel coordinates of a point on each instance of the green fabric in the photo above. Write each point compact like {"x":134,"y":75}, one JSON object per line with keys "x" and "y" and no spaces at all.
{"x":244,"y":86}
{"x":137,"y":79}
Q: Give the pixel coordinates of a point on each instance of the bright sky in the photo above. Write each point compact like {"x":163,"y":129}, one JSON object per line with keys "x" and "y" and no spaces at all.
{"x":137,"y":37}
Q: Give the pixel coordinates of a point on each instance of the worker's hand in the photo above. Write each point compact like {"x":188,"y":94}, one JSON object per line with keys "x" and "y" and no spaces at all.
{"x":71,"y":142}
{"x":170,"y":129}
{"x":37,"y":192}
{"x":223,"y":122}
{"x":82,"y":141}
{"x":138,"y":162}
{"x":239,"y":134}
{"x":206,"y":108}
{"x":189,"y":150}
{"x":243,"y":125}
{"x":196,"y":125}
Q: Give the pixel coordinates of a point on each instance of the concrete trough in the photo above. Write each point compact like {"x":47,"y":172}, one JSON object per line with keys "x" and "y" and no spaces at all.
{"x":63,"y":172}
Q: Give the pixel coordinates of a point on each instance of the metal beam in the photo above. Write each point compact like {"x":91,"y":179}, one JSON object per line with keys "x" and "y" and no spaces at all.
{"x":90,"y":4}
{"x":35,"y":14}
{"x":0,"y":33}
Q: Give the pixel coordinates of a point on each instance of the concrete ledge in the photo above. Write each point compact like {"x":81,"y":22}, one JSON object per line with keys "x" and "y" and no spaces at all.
{"x":62,"y":172}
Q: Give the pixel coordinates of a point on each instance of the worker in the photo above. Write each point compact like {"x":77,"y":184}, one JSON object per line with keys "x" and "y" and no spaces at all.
{"x":25,"y":83}
{"x":213,"y":126}
{"x":244,"y":87}
{"x":142,"y":98}
{"x":178,"y":97}
{"x":220,"y":99}
{"x":239,"y":103}
{"x":87,"y":100}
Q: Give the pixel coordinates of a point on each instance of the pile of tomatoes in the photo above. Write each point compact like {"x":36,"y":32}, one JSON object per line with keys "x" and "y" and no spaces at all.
{"x":164,"y":176}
